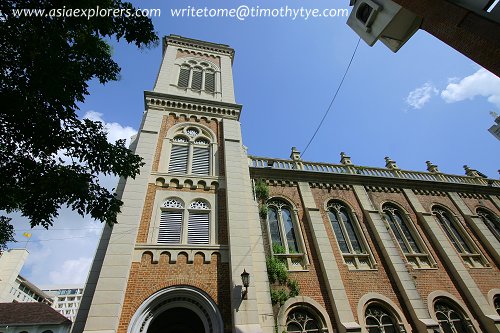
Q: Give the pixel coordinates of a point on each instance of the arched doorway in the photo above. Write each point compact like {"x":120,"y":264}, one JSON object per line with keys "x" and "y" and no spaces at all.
{"x":177,"y":309}
{"x":177,"y":320}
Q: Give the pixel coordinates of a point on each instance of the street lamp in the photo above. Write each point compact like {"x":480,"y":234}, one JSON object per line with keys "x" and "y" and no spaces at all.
{"x":245,"y":278}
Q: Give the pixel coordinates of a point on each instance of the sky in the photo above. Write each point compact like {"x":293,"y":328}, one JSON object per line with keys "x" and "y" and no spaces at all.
{"x":425,"y":102}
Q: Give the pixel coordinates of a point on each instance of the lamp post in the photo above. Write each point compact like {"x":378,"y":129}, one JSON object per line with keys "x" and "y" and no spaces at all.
{"x":245,"y":278}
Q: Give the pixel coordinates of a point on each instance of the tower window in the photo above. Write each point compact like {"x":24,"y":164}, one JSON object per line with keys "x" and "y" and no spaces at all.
{"x":174,"y":229}
{"x":191,"y":152}
{"x":459,"y":238}
{"x":349,"y":236}
{"x":407,"y":237}
{"x":198,"y":76}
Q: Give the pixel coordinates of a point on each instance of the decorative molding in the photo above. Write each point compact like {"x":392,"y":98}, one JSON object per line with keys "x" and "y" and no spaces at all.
{"x":280,"y":182}
{"x":175,"y":250}
{"x":383,"y":189}
{"x":187,"y":182}
{"x":329,"y":186}
{"x":429,"y":192}
{"x":191,"y":107}
{"x":195,"y":44}
{"x":473,"y":195}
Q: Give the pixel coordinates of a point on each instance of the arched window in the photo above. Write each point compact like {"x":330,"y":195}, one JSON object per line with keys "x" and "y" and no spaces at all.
{"x":451,"y":319}
{"x":491,"y":221}
{"x":459,"y":238}
{"x":303,"y":321}
{"x":191,"y":152}
{"x":284,"y":233}
{"x":407,"y":236}
{"x":197,"y":76}
{"x":380,"y":320}
{"x":170,"y":231}
{"x":496,"y":303}
{"x":349,"y":237}
{"x":174,"y":229}
{"x":282,"y":230}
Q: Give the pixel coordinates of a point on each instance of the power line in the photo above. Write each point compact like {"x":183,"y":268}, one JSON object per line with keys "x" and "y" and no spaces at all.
{"x":333,"y":99}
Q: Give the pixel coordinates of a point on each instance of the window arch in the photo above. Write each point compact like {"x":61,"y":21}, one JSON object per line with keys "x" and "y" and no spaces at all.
{"x":458,"y":237}
{"x":301,"y":320}
{"x":350,"y":239}
{"x":379,"y":319}
{"x":198,"y":75}
{"x":451,"y":319}
{"x":175,"y":228}
{"x":491,"y":221}
{"x":191,"y":151}
{"x":284,"y":233}
{"x":407,"y":236}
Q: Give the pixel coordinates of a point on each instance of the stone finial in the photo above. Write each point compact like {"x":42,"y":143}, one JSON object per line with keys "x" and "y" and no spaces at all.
{"x":470,"y":172}
{"x":390,"y":164}
{"x":344,"y":159}
{"x":295,"y":155}
{"x":431,"y":167}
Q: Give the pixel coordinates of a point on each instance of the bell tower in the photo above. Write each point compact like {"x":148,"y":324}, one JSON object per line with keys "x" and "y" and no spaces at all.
{"x":189,"y":225}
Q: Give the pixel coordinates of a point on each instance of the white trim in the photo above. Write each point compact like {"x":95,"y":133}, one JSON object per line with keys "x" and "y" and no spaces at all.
{"x":177,"y":296}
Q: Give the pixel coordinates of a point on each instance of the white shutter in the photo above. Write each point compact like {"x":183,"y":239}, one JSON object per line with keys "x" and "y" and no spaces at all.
{"x":183,"y":77}
{"x":178,"y":159}
{"x":197,"y":79}
{"x":210,"y":82}
{"x":201,"y":161}
{"x":170,"y":227}
{"x":198,"y":228}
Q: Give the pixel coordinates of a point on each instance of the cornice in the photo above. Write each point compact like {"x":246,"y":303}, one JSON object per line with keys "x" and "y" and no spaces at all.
{"x":195,"y":44}
{"x":371,"y":182}
{"x":191,"y":106}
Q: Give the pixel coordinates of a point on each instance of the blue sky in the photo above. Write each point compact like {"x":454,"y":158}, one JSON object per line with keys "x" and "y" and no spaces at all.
{"x":285,"y":74}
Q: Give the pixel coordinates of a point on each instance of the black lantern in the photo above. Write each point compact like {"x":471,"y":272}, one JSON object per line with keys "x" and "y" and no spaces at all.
{"x":245,"y":278}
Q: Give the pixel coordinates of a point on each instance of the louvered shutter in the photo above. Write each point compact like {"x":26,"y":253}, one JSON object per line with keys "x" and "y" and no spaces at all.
{"x":183,"y":78}
{"x":201,"y":161}
{"x":210,"y":82}
{"x":178,"y":159}
{"x":170,"y":227}
{"x":198,"y":228}
{"x":197,"y":80}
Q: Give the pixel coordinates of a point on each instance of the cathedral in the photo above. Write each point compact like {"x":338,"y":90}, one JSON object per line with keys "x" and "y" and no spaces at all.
{"x":213,"y":240}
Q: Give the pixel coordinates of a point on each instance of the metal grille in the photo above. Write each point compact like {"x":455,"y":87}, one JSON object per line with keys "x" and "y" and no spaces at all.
{"x":183,"y":78}
{"x":170,"y":227}
{"x":197,"y":80}
{"x":178,"y":159}
{"x":201,"y":161}
{"x":210,"y":82}
{"x":198,"y":228}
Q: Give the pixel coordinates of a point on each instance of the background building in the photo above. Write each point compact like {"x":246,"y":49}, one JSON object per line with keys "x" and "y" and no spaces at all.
{"x":329,"y":247}
{"x":13,"y":287}
{"x":471,"y":27}
{"x":66,"y":299}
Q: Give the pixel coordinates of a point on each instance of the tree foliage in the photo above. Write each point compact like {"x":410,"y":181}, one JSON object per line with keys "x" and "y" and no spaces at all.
{"x":48,"y":157}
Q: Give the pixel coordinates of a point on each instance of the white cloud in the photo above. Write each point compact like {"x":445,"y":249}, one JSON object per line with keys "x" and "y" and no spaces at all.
{"x":420,"y":96}
{"x":481,"y":83}
{"x":115,"y":131}
{"x":72,"y":271}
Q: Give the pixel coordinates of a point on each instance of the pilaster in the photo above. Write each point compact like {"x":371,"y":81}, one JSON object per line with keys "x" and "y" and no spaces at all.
{"x":331,"y":273}
{"x":397,"y":266}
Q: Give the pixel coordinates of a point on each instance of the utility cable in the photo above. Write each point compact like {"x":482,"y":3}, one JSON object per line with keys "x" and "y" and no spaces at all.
{"x":333,"y":99}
